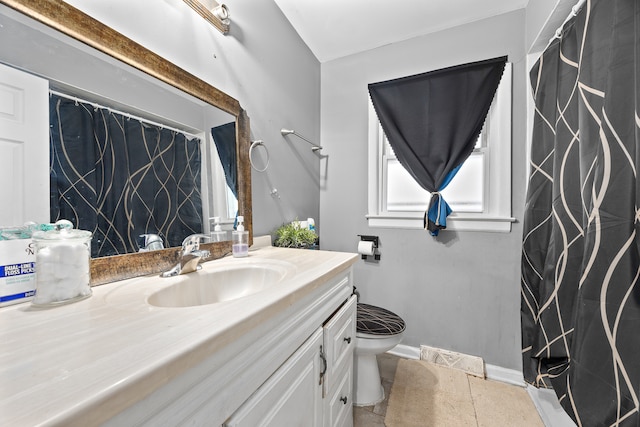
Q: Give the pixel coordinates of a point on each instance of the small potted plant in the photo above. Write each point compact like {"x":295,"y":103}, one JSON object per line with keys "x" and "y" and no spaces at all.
{"x":293,"y":235}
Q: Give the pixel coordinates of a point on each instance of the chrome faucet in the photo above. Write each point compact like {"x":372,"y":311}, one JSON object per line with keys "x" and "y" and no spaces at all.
{"x":190,"y":256}
{"x":151,"y":242}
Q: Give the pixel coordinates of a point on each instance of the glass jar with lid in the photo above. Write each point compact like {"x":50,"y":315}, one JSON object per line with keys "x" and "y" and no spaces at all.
{"x":62,"y":265}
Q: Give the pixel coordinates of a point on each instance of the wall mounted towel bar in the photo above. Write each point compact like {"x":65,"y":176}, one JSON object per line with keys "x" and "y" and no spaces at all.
{"x":285,"y":132}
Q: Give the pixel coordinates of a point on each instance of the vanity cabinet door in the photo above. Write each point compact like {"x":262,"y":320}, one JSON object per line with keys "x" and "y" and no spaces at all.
{"x":340,"y":405}
{"x":340,"y":341}
{"x":292,"y":396}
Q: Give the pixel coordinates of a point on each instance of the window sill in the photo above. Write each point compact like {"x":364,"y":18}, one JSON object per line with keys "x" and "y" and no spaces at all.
{"x":414,"y":221}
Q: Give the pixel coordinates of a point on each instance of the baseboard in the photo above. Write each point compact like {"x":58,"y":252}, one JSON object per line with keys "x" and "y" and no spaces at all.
{"x":471,"y":365}
{"x":494,"y":373}
{"x":405,"y":351}
{"x":551,"y":413}
{"x":504,"y":375}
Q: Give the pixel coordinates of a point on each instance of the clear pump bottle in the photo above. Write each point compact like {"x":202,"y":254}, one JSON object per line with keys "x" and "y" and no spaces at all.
{"x":218,"y":234}
{"x":240,"y":237}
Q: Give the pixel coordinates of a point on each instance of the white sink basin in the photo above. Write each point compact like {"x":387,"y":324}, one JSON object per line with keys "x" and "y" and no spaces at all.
{"x":224,"y":282}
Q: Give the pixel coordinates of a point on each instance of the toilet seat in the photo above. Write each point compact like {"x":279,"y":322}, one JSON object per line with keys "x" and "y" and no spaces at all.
{"x":377,"y":322}
{"x":364,"y":336}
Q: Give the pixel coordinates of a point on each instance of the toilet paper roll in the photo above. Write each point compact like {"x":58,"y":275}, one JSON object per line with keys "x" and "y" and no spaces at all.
{"x":365,"y":247}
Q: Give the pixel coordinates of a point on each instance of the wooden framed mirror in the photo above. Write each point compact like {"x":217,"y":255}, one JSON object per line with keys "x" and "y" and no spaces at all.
{"x":73,"y":23}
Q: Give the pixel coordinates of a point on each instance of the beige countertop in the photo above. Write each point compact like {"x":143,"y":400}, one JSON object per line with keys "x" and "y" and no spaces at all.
{"x":91,"y":359}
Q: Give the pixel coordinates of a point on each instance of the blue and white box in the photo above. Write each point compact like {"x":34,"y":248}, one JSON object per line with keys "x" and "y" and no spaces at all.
{"x":17,"y":271}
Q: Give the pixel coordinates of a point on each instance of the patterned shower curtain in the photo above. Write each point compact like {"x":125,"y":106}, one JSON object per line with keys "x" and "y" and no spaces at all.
{"x":122,"y":178}
{"x":580,"y":261}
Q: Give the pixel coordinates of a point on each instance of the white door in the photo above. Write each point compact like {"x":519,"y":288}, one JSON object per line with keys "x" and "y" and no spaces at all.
{"x":24,"y":147}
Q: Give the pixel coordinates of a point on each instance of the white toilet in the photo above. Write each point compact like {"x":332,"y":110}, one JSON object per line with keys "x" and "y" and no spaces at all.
{"x":377,"y":330}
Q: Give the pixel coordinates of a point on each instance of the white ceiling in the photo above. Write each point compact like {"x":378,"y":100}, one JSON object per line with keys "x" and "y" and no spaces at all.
{"x":336,"y":28}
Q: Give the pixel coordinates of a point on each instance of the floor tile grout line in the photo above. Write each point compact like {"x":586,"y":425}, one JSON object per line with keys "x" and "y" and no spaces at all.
{"x":473,"y":402}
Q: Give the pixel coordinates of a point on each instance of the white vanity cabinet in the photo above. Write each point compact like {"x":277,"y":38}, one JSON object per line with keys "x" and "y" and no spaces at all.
{"x":294,"y":369}
{"x":313,"y":387}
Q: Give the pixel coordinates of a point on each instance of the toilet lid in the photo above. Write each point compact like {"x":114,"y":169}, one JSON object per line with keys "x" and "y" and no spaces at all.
{"x":377,"y":320}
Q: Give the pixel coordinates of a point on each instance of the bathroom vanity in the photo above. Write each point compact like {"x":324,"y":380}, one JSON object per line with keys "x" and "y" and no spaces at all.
{"x":271,"y":345}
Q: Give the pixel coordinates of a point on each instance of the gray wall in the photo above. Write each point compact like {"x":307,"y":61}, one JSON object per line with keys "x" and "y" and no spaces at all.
{"x":544,"y":17}
{"x":461,"y":291}
{"x":262,"y":63}
{"x":538,"y":12}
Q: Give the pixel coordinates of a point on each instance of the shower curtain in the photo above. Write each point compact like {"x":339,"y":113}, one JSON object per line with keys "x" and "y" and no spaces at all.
{"x":224,"y":136}
{"x":121,"y":178}
{"x":580,"y":262}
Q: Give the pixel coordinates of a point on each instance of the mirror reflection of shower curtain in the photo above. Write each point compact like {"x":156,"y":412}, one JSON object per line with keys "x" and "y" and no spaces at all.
{"x":121,"y":178}
{"x":580,"y":305}
{"x":224,"y":136}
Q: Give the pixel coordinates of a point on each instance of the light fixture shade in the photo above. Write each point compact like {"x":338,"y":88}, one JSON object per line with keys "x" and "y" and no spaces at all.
{"x":221,"y":12}
{"x":216,"y":14}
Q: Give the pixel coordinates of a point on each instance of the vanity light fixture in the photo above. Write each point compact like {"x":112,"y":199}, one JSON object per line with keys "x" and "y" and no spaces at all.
{"x":216,"y":13}
{"x":285,"y":132}
{"x":222,"y":13}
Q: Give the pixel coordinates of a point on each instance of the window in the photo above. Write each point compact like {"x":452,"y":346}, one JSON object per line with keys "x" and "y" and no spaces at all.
{"x":480,"y":194}
{"x":403,"y":194}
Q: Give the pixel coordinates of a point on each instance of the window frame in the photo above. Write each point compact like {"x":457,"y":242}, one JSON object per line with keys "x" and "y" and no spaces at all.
{"x":496,"y":148}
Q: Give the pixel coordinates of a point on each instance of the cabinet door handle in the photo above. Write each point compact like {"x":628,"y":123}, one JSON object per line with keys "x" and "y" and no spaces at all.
{"x":348,"y":340}
{"x":324,"y":365}
{"x":343,"y":399}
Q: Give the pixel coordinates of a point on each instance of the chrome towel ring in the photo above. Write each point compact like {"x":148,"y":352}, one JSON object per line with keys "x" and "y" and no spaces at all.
{"x":255,"y":144}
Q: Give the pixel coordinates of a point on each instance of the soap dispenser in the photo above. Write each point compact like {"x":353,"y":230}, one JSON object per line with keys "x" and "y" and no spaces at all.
{"x":218,"y":234}
{"x":240,"y":237}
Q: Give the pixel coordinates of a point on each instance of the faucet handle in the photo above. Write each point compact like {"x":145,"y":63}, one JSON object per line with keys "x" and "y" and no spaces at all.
{"x":150,"y":242}
{"x":192,"y":243}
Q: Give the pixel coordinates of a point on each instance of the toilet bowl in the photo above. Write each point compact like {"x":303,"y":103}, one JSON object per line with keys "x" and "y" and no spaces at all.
{"x":377,"y":331}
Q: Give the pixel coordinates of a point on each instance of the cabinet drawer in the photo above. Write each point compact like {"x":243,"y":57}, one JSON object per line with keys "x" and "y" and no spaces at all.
{"x":340,"y":339}
{"x":340,"y":404}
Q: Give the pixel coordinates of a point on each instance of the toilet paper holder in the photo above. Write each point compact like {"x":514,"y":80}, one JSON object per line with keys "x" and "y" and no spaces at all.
{"x":376,"y":241}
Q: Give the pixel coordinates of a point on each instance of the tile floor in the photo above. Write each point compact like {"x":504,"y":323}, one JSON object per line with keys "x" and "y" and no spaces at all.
{"x":458,"y":400}
{"x":373,"y":416}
